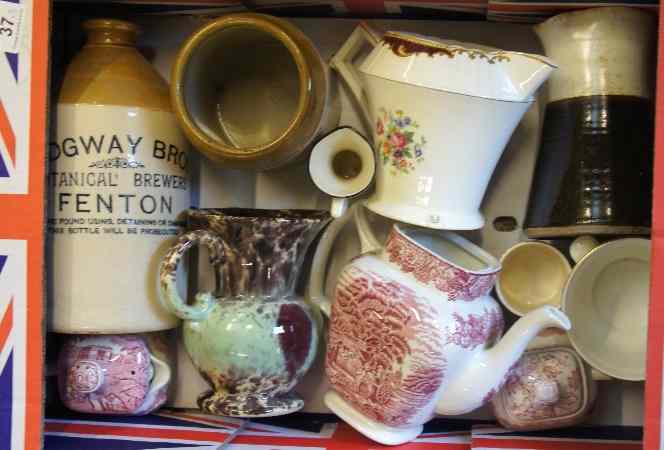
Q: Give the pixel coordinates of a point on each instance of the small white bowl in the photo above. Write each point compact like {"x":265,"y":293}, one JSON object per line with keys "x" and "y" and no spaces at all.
{"x":342,"y":165}
{"x":533,"y":274}
{"x":606,"y":298}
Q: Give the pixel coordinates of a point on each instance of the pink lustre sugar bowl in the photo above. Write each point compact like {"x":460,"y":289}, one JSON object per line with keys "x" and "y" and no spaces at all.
{"x":548,"y":388}
{"x":114,"y":374}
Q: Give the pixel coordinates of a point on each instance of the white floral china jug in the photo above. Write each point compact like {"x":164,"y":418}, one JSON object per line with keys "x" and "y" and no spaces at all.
{"x":442,"y":113}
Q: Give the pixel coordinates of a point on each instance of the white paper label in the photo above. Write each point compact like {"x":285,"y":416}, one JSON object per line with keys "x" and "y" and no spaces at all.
{"x":11,"y":17}
{"x":116,"y":171}
{"x":118,"y":182}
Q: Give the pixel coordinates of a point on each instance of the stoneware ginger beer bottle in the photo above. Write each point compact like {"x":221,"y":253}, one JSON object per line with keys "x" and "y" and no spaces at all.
{"x":118,"y":182}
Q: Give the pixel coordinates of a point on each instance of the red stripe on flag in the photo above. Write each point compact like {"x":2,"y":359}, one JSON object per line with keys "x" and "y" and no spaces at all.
{"x":6,"y":323}
{"x":7,"y":133}
{"x":365,"y":7}
{"x":344,"y":439}
{"x":30,"y":209}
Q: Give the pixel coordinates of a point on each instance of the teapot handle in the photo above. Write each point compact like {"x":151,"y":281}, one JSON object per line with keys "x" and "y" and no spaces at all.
{"x":368,"y":242}
{"x":168,"y":292}
{"x":342,"y":62}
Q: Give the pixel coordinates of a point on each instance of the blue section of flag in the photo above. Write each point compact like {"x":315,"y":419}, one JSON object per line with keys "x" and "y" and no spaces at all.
{"x":67,"y":430}
{"x":445,"y":425}
{"x":3,"y":260}
{"x":4,"y":173}
{"x":67,"y":443}
{"x":6,"y":404}
{"x":65,"y":414}
{"x":12,"y":59}
{"x":605,"y":432}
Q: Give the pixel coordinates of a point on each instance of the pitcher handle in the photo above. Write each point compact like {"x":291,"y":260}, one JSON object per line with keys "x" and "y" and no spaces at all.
{"x":342,"y":62}
{"x":170,"y":298}
{"x":320,"y":261}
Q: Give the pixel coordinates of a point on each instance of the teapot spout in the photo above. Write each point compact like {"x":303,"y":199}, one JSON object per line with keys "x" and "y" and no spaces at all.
{"x":486,"y":372}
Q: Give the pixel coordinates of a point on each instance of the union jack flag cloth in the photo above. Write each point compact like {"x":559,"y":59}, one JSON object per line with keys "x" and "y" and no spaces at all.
{"x":6,"y":365}
{"x":574,"y":438}
{"x":183,"y":430}
{"x":417,"y":9}
{"x":14,"y":113}
{"x":186,"y":430}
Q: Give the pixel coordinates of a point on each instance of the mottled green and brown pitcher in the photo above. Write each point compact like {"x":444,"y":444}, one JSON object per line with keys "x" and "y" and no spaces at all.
{"x":253,"y":339}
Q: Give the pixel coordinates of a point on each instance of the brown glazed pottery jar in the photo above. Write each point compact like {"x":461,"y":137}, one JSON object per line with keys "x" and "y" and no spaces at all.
{"x":251,"y":91}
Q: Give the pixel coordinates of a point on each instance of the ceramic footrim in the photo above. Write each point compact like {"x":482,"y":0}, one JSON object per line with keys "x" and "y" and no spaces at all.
{"x":252,"y":352}
{"x":426,"y":217}
{"x":373,"y":430}
{"x":249,"y":405}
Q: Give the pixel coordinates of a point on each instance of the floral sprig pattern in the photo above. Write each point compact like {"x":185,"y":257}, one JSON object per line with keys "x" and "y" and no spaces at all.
{"x":398,"y":144}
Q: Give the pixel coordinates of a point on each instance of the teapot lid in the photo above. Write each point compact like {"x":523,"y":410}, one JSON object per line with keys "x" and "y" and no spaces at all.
{"x":458,"y":67}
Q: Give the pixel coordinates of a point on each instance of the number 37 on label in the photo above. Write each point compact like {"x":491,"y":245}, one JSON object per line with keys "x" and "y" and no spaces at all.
{"x":11,"y":18}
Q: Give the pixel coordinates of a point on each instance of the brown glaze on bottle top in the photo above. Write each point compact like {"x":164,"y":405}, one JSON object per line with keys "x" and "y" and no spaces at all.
{"x":110,"y":32}
{"x":109,"y":70}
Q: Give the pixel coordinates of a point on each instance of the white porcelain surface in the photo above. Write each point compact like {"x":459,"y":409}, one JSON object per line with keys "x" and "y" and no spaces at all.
{"x":97,"y":226}
{"x":375,"y":431}
{"x":606,"y":299}
{"x":444,"y":189}
{"x":533,"y":274}
{"x":469,"y":69}
{"x":342,"y":165}
{"x":412,"y":326}
{"x":601,"y":51}
{"x":436,"y":146}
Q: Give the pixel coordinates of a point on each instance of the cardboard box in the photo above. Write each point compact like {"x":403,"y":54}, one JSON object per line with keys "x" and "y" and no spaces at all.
{"x":23,"y":129}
